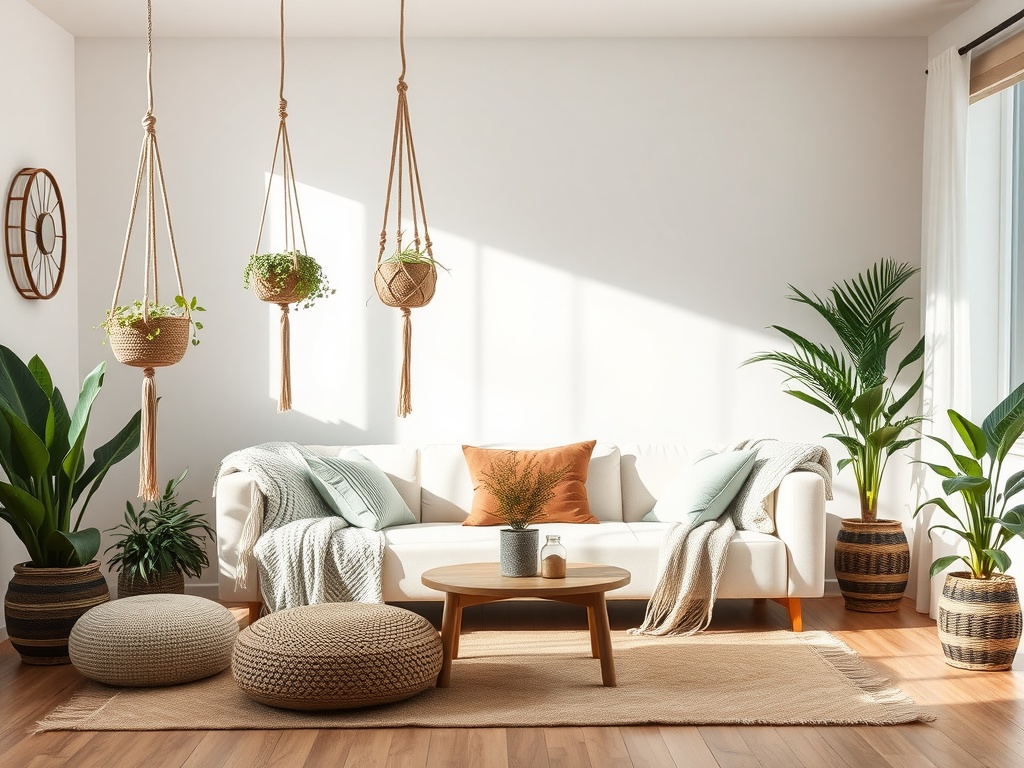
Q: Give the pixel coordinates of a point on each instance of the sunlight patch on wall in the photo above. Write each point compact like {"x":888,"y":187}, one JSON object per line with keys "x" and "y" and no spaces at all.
{"x":328,"y":341}
{"x":512,"y":349}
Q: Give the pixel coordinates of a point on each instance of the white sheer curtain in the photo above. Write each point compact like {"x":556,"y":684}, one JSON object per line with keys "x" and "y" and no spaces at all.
{"x":944,"y":272}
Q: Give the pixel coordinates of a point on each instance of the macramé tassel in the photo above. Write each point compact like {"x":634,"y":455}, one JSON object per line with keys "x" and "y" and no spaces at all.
{"x":405,"y":388}
{"x":284,"y":401}
{"x":148,"y":489}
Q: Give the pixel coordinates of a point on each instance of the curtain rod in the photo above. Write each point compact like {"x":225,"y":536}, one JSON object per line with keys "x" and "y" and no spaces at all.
{"x":991,"y":33}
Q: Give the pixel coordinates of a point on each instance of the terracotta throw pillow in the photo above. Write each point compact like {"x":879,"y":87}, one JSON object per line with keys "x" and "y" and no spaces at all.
{"x":570,"y":504}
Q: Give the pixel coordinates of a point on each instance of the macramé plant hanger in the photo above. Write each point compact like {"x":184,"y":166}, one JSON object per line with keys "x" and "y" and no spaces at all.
{"x":284,"y":283}
{"x":406,"y":279}
{"x":156,"y":338}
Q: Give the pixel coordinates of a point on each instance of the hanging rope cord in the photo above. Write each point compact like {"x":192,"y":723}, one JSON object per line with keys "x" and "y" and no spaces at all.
{"x":401,"y":143}
{"x":282,"y":146}
{"x":151,"y":168}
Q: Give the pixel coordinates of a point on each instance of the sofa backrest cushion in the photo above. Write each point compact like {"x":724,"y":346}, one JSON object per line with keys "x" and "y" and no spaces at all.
{"x":647,"y":472}
{"x":447,"y":494}
{"x":399,"y":462}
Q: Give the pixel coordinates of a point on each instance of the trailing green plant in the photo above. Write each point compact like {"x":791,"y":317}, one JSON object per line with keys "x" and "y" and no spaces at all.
{"x":411,"y":254}
{"x":274,"y":268}
{"x":161,"y":538}
{"x":854,"y":387}
{"x":987,"y":525}
{"x":132,"y":314}
{"x":521,"y":491}
{"x":42,"y":455}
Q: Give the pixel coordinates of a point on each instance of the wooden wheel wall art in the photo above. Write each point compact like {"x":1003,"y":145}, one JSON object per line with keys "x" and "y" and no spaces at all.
{"x":34,"y":227}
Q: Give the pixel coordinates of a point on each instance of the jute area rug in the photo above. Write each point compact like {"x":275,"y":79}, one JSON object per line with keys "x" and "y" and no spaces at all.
{"x":531,"y":678}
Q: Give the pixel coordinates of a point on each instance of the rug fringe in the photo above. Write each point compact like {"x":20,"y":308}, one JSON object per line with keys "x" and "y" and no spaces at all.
{"x":76,"y":711}
{"x":898,"y":705}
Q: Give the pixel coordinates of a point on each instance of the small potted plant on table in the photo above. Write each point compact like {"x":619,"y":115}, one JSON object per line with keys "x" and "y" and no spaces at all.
{"x":522,"y":489}
{"x":159,"y":545}
{"x":979,"y":611}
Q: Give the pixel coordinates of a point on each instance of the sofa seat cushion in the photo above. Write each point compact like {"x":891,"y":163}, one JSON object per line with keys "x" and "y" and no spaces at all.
{"x":757,"y":563}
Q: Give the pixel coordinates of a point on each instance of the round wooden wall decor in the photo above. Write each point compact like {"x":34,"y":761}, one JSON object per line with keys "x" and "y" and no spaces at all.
{"x":34,"y":233}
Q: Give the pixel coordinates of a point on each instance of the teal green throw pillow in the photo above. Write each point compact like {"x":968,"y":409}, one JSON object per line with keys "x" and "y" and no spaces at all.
{"x":705,"y":491}
{"x":359,"y":491}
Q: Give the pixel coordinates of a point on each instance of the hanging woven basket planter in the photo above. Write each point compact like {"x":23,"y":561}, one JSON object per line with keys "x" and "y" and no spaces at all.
{"x":161,"y":342}
{"x":401,"y":284}
{"x":147,"y":334}
{"x":407,"y":278}
{"x":290,"y":277}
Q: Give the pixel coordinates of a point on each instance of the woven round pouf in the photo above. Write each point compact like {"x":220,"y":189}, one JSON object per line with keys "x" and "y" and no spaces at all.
{"x":337,"y":656}
{"x":151,"y":640}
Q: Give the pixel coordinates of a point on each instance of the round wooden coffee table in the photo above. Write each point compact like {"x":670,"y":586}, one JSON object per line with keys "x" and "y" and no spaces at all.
{"x":477,"y":583}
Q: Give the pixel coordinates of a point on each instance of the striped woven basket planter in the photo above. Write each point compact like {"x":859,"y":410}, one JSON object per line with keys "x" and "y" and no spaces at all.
{"x":171,"y":584}
{"x":979,"y":621}
{"x":43,"y":604}
{"x":872,"y":564}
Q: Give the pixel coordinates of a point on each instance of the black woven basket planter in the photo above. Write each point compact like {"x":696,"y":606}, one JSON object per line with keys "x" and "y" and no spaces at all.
{"x":979,"y":621}
{"x":872,"y":564}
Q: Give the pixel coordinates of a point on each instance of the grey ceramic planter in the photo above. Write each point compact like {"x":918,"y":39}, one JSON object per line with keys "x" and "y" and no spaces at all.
{"x":519,"y":551}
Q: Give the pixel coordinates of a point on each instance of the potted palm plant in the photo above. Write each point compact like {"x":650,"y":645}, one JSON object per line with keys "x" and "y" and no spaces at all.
{"x":42,"y":455}
{"x":522,"y":489}
{"x":979,"y":611}
{"x":872,"y":558}
{"x":159,"y":545}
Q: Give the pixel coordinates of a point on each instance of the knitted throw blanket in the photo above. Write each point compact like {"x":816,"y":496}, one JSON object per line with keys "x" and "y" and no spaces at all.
{"x":693,"y":559}
{"x":305,"y":555}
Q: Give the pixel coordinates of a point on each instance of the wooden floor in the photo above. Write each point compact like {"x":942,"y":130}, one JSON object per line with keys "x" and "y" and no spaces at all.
{"x":981,"y":715}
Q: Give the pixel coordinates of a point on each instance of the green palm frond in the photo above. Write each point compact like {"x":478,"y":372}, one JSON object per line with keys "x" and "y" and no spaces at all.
{"x":861,"y":313}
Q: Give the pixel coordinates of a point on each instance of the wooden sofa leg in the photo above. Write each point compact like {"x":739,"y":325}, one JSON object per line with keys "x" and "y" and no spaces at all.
{"x":254,"y":612}
{"x":792,"y":604}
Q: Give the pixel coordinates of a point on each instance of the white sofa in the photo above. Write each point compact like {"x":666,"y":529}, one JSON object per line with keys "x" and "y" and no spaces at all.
{"x":623,"y":484}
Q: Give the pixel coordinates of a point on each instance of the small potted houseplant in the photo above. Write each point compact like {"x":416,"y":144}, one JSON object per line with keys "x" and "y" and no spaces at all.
{"x":159,"y":340}
{"x":43,"y":459}
{"x":979,"y":611}
{"x":286,"y":278}
{"x":159,"y":545}
{"x":872,"y":557}
{"x":408,"y":277}
{"x":522,"y":493}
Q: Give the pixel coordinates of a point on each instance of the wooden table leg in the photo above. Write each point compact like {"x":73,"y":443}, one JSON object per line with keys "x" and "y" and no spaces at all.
{"x":595,"y":651}
{"x":602,"y":630}
{"x":458,"y":632}
{"x":450,"y":620}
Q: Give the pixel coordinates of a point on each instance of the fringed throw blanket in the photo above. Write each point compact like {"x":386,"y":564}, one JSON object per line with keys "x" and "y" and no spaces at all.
{"x":305,"y":554}
{"x":693,"y":559}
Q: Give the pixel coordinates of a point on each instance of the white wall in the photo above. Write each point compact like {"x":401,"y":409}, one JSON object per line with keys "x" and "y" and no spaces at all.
{"x":37,"y":90}
{"x":621,"y":218}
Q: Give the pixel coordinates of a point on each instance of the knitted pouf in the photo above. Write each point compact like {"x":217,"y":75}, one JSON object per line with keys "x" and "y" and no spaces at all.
{"x":152,"y":640}
{"x":337,"y":656}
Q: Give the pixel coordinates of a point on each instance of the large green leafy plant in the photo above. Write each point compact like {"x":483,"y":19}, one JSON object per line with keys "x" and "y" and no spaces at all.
{"x":42,"y":455}
{"x":161,"y":538}
{"x":853,"y":386}
{"x":987,"y":524}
